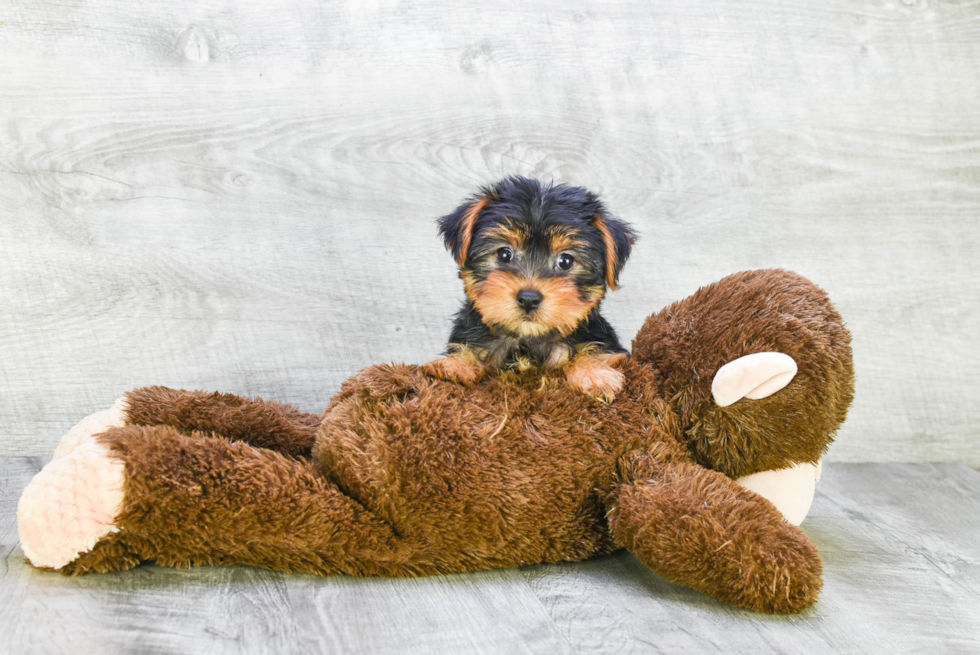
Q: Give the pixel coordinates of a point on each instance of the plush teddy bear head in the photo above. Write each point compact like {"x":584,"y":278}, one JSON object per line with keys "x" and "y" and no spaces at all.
{"x":692,"y":341}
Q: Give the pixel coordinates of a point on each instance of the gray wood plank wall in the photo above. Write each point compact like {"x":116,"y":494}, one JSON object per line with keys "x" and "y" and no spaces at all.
{"x":240,"y":196}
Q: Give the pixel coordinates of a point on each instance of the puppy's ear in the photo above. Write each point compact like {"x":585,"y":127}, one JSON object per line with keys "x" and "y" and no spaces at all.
{"x":457,"y":228}
{"x":618,"y":238}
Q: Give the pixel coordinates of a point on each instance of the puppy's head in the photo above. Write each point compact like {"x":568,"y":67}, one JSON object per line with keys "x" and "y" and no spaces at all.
{"x":536,"y":259}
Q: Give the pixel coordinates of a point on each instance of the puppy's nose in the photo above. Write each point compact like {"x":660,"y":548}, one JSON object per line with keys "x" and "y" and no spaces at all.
{"x":529,"y":299}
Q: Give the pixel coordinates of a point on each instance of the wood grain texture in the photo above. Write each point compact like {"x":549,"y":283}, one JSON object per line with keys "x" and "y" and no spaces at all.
{"x":242,"y":197}
{"x":15,"y":473}
{"x":902,"y":572}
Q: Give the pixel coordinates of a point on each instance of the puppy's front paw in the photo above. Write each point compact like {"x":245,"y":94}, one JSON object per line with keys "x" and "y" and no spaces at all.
{"x":456,"y":368}
{"x":595,"y":377}
{"x":93,"y":424}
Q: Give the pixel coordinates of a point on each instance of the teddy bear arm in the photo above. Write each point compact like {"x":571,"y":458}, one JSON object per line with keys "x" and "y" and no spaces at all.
{"x":257,"y":422}
{"x":700,"y":529}
{"x":186,"y":500}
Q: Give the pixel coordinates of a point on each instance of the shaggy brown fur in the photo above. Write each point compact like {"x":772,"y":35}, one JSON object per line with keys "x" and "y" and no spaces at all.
{"x":779,"y":311}
{"x":261,"y":423}
{"x":407,"y":475}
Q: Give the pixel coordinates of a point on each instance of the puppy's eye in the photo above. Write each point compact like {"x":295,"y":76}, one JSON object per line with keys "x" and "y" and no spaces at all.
{"x":504,"y":255}
{"x":565,"y":261}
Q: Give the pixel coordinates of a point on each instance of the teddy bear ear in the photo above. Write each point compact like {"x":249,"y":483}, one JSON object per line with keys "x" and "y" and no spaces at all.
{"x":618,"y":239}
{"x":457,"y":228}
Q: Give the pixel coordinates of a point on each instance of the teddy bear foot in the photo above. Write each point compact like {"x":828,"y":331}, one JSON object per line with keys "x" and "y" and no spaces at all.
{"x":70,"y":505}
{"x":753,"y":376}
{"x":790,"y":489}
{"x":91,"y":425}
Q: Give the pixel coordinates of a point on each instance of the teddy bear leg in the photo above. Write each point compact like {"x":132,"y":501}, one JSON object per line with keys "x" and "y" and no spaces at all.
{"x":700,"y":529}
{"x":151,"y":493}
{"x":261,"y":423}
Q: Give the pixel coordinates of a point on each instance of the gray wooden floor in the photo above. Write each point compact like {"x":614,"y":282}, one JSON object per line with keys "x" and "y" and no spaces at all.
{"x":900,"y":544}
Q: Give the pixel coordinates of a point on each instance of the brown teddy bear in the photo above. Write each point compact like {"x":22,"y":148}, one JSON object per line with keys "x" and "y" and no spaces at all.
{"x":406,"y":475}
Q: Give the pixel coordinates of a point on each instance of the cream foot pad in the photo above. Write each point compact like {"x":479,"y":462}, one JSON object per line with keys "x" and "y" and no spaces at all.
{"x":790,"y":490}
{"x":114,"y":417}
{"x":70,"y":504}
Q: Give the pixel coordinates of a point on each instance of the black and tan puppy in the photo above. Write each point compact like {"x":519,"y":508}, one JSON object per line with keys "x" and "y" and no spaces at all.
{"x":536,"y":260}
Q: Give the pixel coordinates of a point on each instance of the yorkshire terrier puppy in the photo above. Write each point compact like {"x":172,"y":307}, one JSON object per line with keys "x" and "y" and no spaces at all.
{"x":536,"y":261}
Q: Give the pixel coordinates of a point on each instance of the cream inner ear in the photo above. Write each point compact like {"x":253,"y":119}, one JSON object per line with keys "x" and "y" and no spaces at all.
{"x":754,"y":376}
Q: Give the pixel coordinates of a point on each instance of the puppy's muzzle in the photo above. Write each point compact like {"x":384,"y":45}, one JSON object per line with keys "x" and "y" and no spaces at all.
{"x":529,"y":299}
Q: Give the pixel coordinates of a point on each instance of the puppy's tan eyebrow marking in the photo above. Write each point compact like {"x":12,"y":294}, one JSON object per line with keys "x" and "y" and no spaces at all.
{"x":513,"y":233}
{"x":560,"y":239}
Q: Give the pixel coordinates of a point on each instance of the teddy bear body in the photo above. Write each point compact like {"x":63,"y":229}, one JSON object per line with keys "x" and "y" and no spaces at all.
{"x":483,"y":483}
{"x":407,"y":475}
{"x":448,"y":478}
